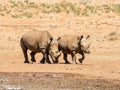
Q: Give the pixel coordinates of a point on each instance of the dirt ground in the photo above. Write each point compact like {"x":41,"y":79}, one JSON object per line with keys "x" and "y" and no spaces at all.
{"x":100,"y":69}
{"x":52,"y":81}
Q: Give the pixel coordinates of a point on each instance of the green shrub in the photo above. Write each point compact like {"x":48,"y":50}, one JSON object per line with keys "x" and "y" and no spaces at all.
{"x":15,"y":16}
{"x":1,"y":14}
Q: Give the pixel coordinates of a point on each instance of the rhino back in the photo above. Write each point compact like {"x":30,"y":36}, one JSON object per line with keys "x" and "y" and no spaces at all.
{"x":68,"y":43}
{"x":31,"y":39}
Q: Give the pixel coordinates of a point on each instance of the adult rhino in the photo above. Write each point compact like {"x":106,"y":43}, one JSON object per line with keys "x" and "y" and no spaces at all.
{"x":71,"y":44}
{"x":39,"y":41}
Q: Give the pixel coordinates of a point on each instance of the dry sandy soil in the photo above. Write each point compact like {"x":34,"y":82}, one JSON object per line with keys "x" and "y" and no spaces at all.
{"x":100,"y":69}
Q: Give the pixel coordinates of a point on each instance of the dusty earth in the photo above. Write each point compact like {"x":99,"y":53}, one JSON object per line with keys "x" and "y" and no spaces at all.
{"x":100,"y":69}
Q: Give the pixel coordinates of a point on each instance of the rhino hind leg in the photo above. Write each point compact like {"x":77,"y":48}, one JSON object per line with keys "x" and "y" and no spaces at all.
{"x":65,"y":58}
{"x":24,"y":49}
{"x":25,"y":56}
{"x":33,"y":56}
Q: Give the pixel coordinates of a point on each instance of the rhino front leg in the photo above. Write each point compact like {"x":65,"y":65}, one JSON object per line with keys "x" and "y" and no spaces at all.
{"x":33,"y":56}
{"x":65,"y":58}
{"x":83,"y":57}
{"x":42,"y":60}
{"x":73,"y":57}
{"x":45,"y":58}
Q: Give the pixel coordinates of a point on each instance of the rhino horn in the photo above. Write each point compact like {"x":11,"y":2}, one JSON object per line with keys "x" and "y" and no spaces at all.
{"x":55,"y":56}
{"x":58,"y":54}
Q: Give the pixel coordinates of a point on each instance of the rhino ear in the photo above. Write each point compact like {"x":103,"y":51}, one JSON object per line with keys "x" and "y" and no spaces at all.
{"x":49,"y":41}
{"x":88,"y":36}
{"x":58,"y":38}
{"x":80,"y":37}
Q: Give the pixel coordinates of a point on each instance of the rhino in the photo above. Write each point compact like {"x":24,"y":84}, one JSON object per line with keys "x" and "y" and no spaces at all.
{"x":71,"y":44}
{"x":39,"y":42}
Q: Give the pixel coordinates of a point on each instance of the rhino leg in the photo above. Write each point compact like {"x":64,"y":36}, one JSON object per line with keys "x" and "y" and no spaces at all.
{"x":45,"y":58}
{"x":25,"y":56}
{"x":33,"y":56}
{"x":65,"y":58}
{"x":24,"y":49}
{"x":73,"y":57}
{"x":83,"y":57}
{"x":42,"y":60}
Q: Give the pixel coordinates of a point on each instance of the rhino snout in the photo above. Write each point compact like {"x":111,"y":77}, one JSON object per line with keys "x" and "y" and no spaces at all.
{"x":57,"y":54}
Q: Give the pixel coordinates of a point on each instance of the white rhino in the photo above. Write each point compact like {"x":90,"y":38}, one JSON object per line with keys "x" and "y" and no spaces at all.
{"x":39,"y":41}
{"x":71,"y":44}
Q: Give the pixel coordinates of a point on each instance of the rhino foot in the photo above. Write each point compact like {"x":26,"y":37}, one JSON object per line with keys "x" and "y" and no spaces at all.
{"x":42,"y":61}
{"x":33,"y":60}
{"x":48,"y":62}
{"x":26,"y":61}
{"x":74,"y":63}
{"x":81,"y":60}
{"x":56,"y":61}
{"x":67,"y":62}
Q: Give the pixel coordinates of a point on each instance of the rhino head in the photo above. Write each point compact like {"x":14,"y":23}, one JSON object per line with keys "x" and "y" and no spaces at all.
{"x":54,"y":52}
{"x":84,"y":44}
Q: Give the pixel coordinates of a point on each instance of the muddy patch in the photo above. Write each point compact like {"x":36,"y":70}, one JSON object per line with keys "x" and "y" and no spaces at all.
{"x":54,"y":81}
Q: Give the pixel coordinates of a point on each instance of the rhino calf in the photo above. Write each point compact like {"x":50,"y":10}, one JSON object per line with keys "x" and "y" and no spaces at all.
{"x":70,"y":44}
{"x":39,"y":41}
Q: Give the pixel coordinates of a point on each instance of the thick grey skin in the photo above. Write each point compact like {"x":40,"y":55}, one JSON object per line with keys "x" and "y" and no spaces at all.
{"x":70,"y":44}
{"x":37,"y":41}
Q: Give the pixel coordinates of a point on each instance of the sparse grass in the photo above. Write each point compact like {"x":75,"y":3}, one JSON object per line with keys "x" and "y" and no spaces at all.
{"x":16,"y":16}
{"x":112,"y":34}
{"x":1,"y":14}
{"x":32,"y":5}
{"x":113,"y":38}
{"x":116,"y":8}
{"x":28,"y":14}
{"x":23,"y":9}
{"x":85,"y":12}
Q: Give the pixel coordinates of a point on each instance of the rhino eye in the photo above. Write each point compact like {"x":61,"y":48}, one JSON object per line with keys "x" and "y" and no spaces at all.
{"x":51,"y":52}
